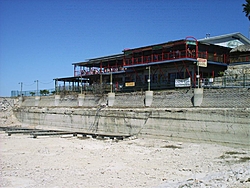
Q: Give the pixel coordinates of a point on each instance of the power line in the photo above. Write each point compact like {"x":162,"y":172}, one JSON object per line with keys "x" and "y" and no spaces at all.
{"x":28,"y":84}
{"x":46,"y":83}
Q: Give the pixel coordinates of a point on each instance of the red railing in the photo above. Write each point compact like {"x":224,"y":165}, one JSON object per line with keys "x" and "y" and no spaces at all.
{"x":223,"y":58}
{"x":93,"y":71}
{"x":178,"y":54}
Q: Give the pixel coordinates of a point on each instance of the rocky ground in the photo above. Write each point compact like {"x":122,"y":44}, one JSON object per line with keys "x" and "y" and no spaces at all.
{"x":65,"y":161}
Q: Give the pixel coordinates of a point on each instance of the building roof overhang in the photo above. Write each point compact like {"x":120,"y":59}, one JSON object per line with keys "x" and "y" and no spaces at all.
{"x":96,"y":61}
{"x":154,"y":47}
{"x":231,"y":40}
{"x":71,"y":79}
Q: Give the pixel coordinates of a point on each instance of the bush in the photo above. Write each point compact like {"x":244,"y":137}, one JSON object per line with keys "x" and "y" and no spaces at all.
{"x":221,"y":73}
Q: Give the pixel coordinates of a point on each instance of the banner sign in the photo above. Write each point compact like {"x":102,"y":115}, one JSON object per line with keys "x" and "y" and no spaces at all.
{"x":129,"y":84}
{"x":183,"y":82}
{"x":202,"y":62}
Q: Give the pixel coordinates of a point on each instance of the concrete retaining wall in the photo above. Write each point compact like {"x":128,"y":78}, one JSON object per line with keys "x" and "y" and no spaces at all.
{"x":212,"y":98}
{"x":223,"y":116}
{"x":215,"y":125}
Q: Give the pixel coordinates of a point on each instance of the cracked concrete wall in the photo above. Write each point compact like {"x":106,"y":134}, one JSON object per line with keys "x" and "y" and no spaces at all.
{"x":213,"y":125}
{"x":65,"y":101}
{"x":80,"y":119}
{"x":224,"y":125}
{"x":212,"y":98}
{"x":224,"y":116}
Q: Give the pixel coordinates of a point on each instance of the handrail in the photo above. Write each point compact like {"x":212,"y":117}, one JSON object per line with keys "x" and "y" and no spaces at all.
{"x":177,"y":54}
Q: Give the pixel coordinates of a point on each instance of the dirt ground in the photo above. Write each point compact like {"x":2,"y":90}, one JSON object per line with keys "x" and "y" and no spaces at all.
{"x":66,"y":161}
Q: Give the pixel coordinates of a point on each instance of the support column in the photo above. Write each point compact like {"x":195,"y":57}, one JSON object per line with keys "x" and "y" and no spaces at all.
{"x":81,"y":99}
{"x":111,"y":99}
{"x":198,"y":97}
{"x":148,"y":98}
{"x":20,"y":100}
{"x":37,"y":100}
{"x":57,"y":100}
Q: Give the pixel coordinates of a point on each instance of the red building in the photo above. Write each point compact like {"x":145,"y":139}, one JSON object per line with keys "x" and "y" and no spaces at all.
{"x":156,"y":66}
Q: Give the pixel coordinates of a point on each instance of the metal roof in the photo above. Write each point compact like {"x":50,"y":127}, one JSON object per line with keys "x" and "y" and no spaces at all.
{"x":71,"y":79}
{"x":107,"y":58}
{"x":97,"y":61}
{"x":150,"y":47}
{"x":225,"y":40}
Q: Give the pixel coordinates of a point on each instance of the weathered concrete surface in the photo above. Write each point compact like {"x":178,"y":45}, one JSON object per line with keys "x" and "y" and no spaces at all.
{"x":182,"y":98}
{"x":198,"y":97}
{"x":192,"y":124}
{"x":216,"y":125}
{"x":223,"y":117}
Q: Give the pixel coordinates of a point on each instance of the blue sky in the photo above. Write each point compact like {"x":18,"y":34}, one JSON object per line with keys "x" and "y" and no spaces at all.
{"x":40,"y":39}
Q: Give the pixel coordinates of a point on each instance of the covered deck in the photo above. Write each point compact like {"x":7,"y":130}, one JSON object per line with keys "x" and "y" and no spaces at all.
{"x":167,"y":61}
{"x":70,"y":84}
{"x":102,"y":65}
{"x":177,"y":50}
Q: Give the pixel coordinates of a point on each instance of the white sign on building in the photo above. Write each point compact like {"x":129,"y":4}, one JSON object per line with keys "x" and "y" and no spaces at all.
{"x":202,"y":62}
{"x":183,"y":82}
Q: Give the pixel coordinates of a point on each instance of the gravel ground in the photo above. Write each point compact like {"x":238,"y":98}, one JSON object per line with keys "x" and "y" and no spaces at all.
{"x":64,"y":161}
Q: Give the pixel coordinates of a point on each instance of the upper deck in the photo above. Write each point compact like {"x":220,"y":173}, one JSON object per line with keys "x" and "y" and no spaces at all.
{"x":173,"y":51}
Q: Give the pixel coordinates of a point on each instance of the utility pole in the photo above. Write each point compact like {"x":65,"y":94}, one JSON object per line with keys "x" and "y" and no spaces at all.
{"x":21,"y":88}
{"x":36,"y":87}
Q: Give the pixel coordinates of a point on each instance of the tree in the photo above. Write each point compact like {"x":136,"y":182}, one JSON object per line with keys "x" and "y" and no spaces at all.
{"x":246,"y":9}
{"x":32,"y":93}
{"x":44,"y":92}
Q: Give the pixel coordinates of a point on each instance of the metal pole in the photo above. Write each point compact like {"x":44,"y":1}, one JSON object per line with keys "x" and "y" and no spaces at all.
{"x":56,"y":87}
{"x":101,"y":81}
{"x":81,"y":83}
{"x":111,"y":84}
{"x":148,"y":78}
{"x":36,"y":87}
{"x":198,"y":76}
{"x":21,"y":83}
